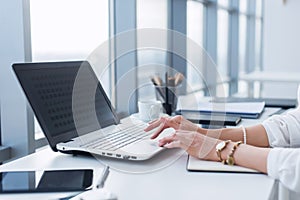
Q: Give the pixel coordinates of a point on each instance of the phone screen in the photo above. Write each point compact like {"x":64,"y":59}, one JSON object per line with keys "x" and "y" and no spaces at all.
{"x":45,"y":181}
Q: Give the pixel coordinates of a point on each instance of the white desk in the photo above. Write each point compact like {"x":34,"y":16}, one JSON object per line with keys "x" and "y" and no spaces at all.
{"x":266,"y":76}
{"x":171,"y":182}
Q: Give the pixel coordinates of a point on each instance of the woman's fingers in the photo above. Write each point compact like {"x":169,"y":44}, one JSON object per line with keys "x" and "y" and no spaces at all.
{"x":160,"y":124}
{"x":177,"y":122}
{"x":153,"y":121}
{"x":180,"y":139}
{"x":169,"y":122}
{"x":185,"y":139}
{"x":158,"y":131}
{"x":174,"y":144}
{"x":167,"y":139}
{"x":195,"y":144}
{"x":154,"y":124}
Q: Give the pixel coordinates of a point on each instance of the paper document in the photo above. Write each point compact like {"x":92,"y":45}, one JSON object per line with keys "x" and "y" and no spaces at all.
{"x":244,"y":109}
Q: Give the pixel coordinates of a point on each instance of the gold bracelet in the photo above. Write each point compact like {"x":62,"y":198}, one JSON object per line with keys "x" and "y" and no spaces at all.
{"x":230,"y":160}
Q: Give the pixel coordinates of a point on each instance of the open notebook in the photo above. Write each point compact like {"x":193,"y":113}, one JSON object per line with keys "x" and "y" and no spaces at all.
{"x":194,"y":164}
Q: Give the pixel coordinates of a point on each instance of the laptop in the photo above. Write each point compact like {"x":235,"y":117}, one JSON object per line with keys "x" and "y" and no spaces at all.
{"x":76,"y":115}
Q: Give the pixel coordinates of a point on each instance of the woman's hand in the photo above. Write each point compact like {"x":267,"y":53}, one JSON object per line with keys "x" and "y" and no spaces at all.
{"x":195,"y":144}
{"x":177,"y":122}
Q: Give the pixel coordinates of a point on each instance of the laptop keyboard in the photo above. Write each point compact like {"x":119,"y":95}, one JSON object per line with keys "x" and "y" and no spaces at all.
{"x":117,"y":139}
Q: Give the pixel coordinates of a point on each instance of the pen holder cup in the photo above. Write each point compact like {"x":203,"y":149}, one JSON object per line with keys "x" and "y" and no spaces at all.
{"x":168,"y":97}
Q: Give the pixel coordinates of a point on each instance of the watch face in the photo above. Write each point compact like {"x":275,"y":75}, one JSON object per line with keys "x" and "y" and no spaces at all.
{"x":221,"y":145}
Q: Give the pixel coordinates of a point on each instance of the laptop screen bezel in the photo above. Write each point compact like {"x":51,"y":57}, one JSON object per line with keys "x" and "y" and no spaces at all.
{"x":67,"y":136}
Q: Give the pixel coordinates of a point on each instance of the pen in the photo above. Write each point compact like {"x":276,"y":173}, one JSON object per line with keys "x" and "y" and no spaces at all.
{"x":171,"y":92}
{"x":158,"y":86}
{"x":166,"y":89}
{"x":102,"y":179}
{"x":178,"y":78}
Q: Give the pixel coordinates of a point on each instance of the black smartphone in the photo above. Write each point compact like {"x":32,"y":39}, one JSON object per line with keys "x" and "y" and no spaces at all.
{"x":45,"y":181}
{"x":212,"y":119}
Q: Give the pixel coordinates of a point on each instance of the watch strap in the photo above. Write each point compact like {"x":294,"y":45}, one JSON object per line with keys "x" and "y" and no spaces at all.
{"x":219,"y":150}
{"x":230,"y":159}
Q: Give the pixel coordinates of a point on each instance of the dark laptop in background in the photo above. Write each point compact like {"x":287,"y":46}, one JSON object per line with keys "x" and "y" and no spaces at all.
{"x":94,"y":127}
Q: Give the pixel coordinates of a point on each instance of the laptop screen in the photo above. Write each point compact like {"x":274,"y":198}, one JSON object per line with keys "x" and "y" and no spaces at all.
{"x":66,"y":97}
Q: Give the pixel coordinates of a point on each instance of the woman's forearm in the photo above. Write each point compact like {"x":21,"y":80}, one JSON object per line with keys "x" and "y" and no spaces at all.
{"x":249,"y":156}
{"x":256,"y":135}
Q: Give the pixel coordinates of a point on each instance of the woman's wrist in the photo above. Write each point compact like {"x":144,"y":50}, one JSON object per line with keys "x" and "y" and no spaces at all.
{"x":227,"y":150}
{"x":202,"y":130}
{"x":223,"y":153}
{"x":243,"y":155}
{"x":213,"y":155}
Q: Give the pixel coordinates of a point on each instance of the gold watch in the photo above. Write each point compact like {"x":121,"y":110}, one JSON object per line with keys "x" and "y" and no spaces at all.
{"x":222,"y":145}
{"x":230,"y":160}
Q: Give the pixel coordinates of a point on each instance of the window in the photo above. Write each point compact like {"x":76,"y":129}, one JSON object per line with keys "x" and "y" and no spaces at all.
{"x":72,"y":29}
{"x":223,"y":3}
{"x":195,"y":28}
{"x":151,"y":14}
{"x":250,"y":34}
{"x":242,"y":42}
{"x":258,"y":35}
{"x":258,"y":29}
{"x":259,"y":8}
{"x":238,"y":29}
{"x":222,"y":43}
{"x":78,"y":34}
{"x":243,"y":6}
{"x":67,"y":30}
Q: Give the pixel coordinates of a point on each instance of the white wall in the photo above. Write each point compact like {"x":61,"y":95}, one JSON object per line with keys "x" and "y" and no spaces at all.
{"x":281,"y":47}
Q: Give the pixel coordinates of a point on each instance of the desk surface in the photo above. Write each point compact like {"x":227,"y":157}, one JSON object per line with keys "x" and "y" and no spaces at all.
{"x":172,"y":182}
{"x":169,"y":181}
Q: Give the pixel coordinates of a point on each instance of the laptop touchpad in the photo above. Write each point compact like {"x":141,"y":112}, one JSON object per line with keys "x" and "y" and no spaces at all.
{"x":147,"y":146}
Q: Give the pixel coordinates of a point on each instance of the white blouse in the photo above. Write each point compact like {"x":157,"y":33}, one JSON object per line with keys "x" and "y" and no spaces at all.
{"x":284,"y":160}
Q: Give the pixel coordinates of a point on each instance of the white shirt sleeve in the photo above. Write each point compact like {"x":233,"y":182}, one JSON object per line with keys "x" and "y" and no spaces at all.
{"x":284,"y":164}
{"x":284,"y":130}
